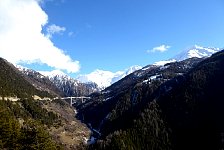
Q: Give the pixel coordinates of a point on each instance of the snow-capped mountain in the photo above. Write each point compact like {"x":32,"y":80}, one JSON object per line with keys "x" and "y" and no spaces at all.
{"x":70,"y":86}
{"x":105,"y":78}
{"x":195,"y":51}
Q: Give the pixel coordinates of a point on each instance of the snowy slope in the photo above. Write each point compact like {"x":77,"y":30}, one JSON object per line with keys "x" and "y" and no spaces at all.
{"x":195,"y":51}
{"x":54,"y":73}
{"x":105,"y":78}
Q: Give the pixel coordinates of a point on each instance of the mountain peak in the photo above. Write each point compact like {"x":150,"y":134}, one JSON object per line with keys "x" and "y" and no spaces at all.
{"x":105,"y":78}
{"x":196,"y":51}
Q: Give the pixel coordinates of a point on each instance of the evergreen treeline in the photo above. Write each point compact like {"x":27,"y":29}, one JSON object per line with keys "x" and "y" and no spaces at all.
{"x":23,"y":126}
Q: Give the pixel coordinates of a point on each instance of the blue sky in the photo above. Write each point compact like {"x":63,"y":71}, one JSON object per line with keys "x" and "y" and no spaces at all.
{"x":116,"y":34}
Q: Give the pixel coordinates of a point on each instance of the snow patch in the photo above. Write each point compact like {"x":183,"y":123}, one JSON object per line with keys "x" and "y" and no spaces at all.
{"x":107,"y":99}
{"x":151,"y":78}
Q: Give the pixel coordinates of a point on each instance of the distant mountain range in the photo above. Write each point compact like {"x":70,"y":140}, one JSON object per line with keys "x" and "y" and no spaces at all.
{"x":100,"y":79}
{"x":59,"y":84}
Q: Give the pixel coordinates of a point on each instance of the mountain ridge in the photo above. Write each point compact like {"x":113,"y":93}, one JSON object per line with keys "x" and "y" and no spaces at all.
{"x":104,"y":79}
{"x":59,"y":84}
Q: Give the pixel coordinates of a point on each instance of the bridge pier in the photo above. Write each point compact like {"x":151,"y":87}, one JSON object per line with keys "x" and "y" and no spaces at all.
{"x":70,"y":101}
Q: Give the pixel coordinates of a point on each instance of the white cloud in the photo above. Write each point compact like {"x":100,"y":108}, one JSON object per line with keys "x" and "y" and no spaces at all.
{"x":161,"y":48}
{"x":21,"y":39}
{"x":53,"y":29}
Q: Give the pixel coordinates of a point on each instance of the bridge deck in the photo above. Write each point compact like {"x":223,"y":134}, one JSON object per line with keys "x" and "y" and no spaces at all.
{"x":73,"y":100}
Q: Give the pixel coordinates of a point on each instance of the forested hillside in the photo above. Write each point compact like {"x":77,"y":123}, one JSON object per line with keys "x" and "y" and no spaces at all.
{"x":185,"y":112}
